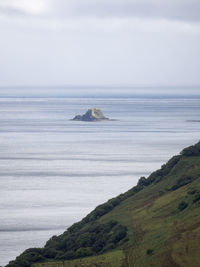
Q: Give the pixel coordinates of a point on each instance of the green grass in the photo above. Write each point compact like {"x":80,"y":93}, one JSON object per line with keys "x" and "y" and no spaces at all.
{"x":111,"y":259}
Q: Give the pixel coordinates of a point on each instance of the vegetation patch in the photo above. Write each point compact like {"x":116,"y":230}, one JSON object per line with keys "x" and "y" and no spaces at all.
{"x":192,"y":191}
{"x":110,"y":259}
{"x":184,"y":180}
{"x":94,"y":239}
{"x":191,"y":150}
{"x":182,"y":205}
{"x":196,"y":198}
{"x":149,"y":251}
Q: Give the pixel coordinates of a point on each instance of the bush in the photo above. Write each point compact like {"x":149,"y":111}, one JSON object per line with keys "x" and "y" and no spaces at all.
{"x":90,"y":240}
{"x":192,"y":150}
{"x":196,"y":198}
{"x":119,"y":233}
{"x":143,"y":181}
{"x":60,"y":256}
{"x":149,"y":251}
{"x":182,"y":205}
{"x":184,"y":180}
{"x":84,"y":240}
{"x":49,"y":253}
{"x":53,"y":242}
{"x":165,"y":170}
{"x":108,"y":247}
{"x":84,"y":252}
{"x":192,"y":191}
{"x":69,"y":255}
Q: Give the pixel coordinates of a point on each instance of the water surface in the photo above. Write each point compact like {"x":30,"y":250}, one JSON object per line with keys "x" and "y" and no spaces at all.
{"x":54,"y":171}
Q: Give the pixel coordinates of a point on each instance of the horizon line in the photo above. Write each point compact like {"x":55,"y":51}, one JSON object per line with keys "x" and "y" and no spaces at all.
{"x":101,"y":86}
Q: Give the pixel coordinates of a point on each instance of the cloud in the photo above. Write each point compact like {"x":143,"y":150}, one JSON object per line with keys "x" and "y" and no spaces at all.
{"x":181,"y":10}
{"x":104,"y":16}
{"x":99,"y":42}
{"x":187,"y":10}
{"x":23,"y":7}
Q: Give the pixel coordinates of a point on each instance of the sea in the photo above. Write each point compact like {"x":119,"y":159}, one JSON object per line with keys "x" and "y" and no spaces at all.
{"x":54,"y":171}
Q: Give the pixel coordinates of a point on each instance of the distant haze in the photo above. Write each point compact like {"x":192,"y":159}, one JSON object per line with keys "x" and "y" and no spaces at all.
{"x":134,"y":43}
{"x":98,"y":91}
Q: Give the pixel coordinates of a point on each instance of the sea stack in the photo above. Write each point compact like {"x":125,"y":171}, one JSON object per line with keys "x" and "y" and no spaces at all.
{"x":93,"y":114}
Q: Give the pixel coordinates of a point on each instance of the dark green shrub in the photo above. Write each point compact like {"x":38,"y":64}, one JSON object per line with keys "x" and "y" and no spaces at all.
{"x":34,"y":250}
{"x":53,"y":241}
{"x":49,"y":253}
{"x":143,"y":181}
{"x":23,"y":263}
{"x":108,"y":246}
{"x":60,"y":256}
{"x":184,"y":180}
{"x":196,"y":198}
{"x":165,"y":170}
{"x":93,"y":239}
{"x":84,"y":240}
{"x":182,"y":205}
{"x":69,"y":255}
{"x":149,"y":251}
{"x":192,"y":150}
{"x":31,"y":255}
{"x":84,"y":252}
{"x":108,"y":226}
{"x":192,"y":191}
{"x":98,"y":246}
{"x":119,"y":233}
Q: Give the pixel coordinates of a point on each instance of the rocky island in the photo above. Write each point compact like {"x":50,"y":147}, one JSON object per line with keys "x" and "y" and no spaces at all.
{"x":93,"y":114}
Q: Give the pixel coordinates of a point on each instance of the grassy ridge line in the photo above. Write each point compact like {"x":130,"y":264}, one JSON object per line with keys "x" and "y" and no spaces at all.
{"x":162,"y":235}
{"x":108,"y":206}
{"x":156,"y":176}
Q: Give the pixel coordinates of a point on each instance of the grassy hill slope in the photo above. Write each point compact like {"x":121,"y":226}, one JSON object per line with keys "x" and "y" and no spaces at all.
{"x":156,"y":223}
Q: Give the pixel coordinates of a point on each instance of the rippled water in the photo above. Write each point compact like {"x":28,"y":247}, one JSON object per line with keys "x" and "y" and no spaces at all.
{"x":53,"y":171}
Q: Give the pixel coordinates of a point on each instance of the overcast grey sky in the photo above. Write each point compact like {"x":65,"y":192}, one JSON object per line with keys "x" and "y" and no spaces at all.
{"x":102,"y":42}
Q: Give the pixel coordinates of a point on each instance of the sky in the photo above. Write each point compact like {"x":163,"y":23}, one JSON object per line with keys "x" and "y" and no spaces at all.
{"x":137,"y":43}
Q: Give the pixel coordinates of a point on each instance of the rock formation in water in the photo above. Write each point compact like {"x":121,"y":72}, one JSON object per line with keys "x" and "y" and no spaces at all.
{"x":93,"y":114}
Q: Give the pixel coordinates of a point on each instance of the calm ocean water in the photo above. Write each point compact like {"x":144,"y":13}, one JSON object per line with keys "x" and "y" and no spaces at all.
{"x":54,"y":171}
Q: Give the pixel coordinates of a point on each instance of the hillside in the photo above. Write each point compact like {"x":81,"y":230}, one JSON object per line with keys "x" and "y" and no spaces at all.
{"x":156,"y":223}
